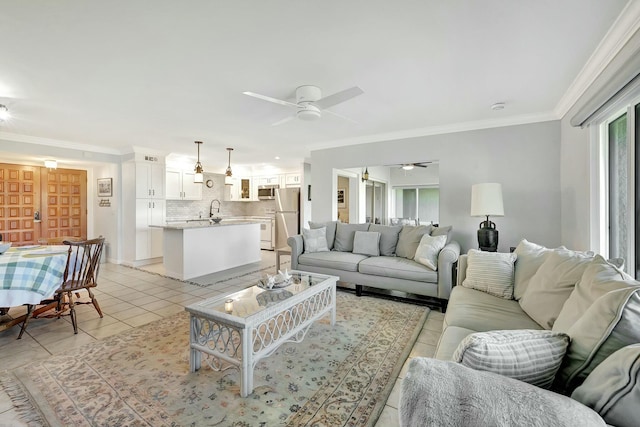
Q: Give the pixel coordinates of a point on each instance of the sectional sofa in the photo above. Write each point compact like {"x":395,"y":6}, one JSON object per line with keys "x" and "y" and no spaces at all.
{"x":379,"y":256}
{"x":538,"y":337}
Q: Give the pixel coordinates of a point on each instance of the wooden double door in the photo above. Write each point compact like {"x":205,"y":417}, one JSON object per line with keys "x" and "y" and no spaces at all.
{"x":36,"y":202}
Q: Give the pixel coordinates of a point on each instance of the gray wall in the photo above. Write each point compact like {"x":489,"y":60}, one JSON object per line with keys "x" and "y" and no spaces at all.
{"x":525,"y":159}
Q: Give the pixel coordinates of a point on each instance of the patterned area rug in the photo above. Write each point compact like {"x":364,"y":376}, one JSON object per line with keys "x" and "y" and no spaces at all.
{"x":338,"y":376}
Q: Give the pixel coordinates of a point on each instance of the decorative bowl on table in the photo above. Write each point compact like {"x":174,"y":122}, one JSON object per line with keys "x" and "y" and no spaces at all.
{"x":4,"y":247}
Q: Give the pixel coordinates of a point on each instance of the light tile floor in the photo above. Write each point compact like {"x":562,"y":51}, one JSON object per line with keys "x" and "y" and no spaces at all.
{"x":130,"y":298}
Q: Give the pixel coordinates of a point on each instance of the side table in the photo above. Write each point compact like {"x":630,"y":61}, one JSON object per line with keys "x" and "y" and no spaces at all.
{"x":281,"y":251}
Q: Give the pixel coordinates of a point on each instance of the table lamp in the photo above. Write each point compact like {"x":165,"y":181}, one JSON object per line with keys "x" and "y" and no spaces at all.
{"x":486,"y":200}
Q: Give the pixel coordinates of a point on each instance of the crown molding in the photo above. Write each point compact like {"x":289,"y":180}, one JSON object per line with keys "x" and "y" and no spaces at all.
{"x":623,"y":28}
{"x":15,"y":137}
{"x":439,"y":130}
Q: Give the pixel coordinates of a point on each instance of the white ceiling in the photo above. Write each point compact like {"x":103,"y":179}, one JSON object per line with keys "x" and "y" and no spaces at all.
{"x":161,"y":74}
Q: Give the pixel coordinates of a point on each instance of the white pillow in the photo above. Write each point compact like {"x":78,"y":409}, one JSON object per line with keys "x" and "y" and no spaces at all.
{"x":527,"y":355}
{"x":428,"y":250}
{"x":315,"y":240}
{"x":490,"y":272}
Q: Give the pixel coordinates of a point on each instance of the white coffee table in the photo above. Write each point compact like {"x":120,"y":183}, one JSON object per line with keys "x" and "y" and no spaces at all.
{"x":239,"y":329}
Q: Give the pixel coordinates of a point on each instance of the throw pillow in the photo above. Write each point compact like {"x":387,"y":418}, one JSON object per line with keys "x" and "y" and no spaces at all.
{"x":428,"y":250}
{"x":598,"y":278}
{"x":409,"y":239}
{"x":608,"y":325}
{"x":552,"y":285}
{"x":366,"y":243}
{"x":530,"y":258}
{"x":442,"y":231}
{"x":345,"y":234}
{"x":315,"y":240}
{"x":526,"y":355}
{"x":388,"y":238}
{"x":331,"y":230}
{"x":613,"y":388}
{"x":490,"y":272}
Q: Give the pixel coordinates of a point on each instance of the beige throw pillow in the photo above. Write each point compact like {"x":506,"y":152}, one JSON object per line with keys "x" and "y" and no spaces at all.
{"x":552,"y":285}
{"x":409,"y":239}
{"x":490,"y":272}
{"x":530,"y":258}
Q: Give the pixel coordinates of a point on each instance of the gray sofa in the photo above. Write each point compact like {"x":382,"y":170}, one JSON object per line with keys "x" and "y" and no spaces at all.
{"x":597,"y":380}
{"x":390,"y":270}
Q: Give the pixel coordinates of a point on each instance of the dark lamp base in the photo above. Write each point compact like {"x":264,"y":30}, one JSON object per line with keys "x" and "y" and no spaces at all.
{"x":488,"y":237}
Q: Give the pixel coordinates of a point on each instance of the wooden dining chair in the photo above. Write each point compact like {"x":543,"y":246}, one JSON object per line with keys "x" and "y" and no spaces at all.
{"x":83,"y":266}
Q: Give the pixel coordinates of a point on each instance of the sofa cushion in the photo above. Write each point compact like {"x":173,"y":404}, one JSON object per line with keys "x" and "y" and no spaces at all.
{"x":315,"y":240}
{"x":409,"y":239}
{"x":428,"y":250}
{"x":552,"y":285}
{"x":345,"y":261}
{"x":527,"y":355}
{"x":397,"y":268}
{"x":490,"y":272}
{"x":530,"y":257}
{"x":388,"y":237}
{"x":481,"y":312}
{"x":366,"y":243}
{"x":331,"y":230}
{"x":442,"y":231}
{"x":345,"y":233}
{"x":613,"y":388}
{"x":449,"y":341}
{"x":598,"y":278}
{"x":608,"y":325}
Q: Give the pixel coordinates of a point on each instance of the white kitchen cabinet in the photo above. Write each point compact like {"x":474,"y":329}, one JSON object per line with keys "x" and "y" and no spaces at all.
{"x":149,"y":179}
{"x":149,"y":239}
{"x":292,"y":180}
{"x":180,"y":185}
{"x":269,"y":180}
{"x":231,"y":192}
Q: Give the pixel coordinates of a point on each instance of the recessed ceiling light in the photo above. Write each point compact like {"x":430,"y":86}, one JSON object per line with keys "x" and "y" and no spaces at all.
{"x":498,"y":106}
{"x":277,"y":157}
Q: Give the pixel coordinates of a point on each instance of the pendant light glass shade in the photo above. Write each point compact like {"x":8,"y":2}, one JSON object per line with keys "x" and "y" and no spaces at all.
{"x":198,"y":178}
{"x":365,"y":175}
{"x":228,"y":172}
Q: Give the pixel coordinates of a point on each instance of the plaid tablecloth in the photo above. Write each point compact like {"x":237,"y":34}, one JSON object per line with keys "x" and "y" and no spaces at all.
{"x":29,"y":276}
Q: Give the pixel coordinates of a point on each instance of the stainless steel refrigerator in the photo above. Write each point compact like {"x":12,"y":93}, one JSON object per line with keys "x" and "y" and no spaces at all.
{"x":287,"y":215}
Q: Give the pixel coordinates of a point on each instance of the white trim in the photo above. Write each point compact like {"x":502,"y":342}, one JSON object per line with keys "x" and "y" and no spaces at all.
{"x":631,"y":182}
{"x":624,"y":27}
{"x":57,"y":143}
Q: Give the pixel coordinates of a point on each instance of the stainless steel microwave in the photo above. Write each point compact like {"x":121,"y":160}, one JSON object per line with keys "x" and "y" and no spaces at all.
{"x":267,"y":192}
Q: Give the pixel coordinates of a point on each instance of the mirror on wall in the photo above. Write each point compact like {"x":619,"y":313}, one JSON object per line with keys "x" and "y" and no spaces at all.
{"x":393,"y":194}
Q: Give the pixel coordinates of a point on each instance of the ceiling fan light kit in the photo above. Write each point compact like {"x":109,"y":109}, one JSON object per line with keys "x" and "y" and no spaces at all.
{"x":407,"y":167}
{"x":309,"y":103}
{"x":4,"y":113}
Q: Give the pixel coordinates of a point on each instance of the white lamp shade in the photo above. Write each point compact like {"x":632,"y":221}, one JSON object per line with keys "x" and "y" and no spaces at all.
{"x":198,"y":178}
{"x":486,"y":199}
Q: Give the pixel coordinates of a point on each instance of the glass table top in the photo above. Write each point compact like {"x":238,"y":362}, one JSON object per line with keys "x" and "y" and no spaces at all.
{"x":254,"y":299}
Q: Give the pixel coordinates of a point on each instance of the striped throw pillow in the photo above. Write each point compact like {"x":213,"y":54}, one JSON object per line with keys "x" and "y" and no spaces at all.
{"x":490,"y":272}
{"x":527,"y":355}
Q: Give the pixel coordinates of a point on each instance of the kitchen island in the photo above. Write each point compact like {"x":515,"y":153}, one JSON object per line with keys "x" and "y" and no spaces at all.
{"x":193,"y":249}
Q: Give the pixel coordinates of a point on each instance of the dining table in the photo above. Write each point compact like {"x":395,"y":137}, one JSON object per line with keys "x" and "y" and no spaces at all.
{"x":29,"y":275}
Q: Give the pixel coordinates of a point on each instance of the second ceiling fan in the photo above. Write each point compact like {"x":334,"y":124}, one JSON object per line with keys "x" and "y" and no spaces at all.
{"x":310,"y":104}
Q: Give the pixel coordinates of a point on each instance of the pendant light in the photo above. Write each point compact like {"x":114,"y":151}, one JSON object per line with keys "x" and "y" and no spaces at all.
{"x":365,"y":175}
{"x":228,"y":173}
{"x":198,"y":178}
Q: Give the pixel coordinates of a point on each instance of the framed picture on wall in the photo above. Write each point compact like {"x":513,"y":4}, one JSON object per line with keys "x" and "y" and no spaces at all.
{"x":341,"y":202}
{"x":105,"y":188}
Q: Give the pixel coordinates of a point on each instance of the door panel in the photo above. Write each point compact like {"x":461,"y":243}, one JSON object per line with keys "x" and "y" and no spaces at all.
{"x":64,"y":210}
{"x":19,"y":199}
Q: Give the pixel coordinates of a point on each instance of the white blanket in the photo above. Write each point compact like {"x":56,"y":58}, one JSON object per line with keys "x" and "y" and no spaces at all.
{"x":438,"y":393}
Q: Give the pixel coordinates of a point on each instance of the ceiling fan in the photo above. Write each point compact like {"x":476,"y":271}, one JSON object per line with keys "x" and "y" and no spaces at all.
{"x":409,"y":166}
{"x":310,"y":104}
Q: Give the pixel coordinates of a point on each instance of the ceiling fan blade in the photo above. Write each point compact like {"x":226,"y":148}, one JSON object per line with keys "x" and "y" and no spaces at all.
{"x":420,"y":165}
{"x":285,"y":120}
{"x":341,"y":116}
{"x":274,"y":100}
{"x":337,"y":98}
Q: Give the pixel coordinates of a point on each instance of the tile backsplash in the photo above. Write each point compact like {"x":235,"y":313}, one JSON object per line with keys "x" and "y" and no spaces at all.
{"x":184,"y":209}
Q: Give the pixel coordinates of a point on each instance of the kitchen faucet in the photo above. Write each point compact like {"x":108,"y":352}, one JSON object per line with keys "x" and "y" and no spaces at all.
{"x":211,"y":207}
